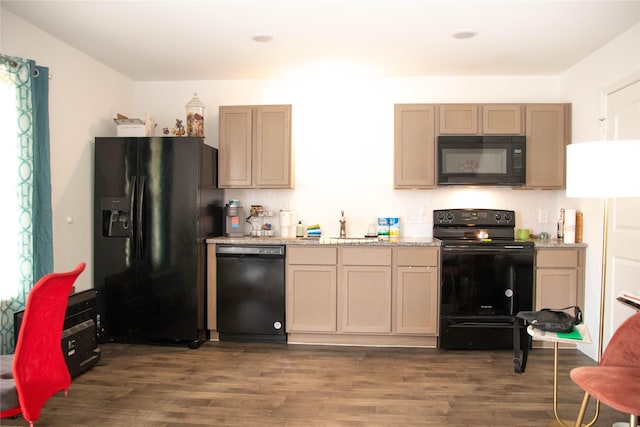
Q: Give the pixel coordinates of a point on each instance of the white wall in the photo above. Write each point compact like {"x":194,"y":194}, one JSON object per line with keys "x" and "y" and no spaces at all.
{"x":585,"y":85}
{"x":84,"y":95}
{"x":343,"y":137}
{"x":342,"y":131}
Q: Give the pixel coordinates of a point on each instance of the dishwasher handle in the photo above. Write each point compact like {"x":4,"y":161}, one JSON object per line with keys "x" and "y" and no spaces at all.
{"x":272,"y":251}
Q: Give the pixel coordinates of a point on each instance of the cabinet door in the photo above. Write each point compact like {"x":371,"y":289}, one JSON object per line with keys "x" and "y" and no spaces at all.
{"x":414,"y":146}
{"x":311,"y":298}
{"x":416,"y":300}
{"x":366,"y":299}
{"x":273,"y":146}
{"x":235,"y":153}
{"x":211,"y":287}
{"x":502,"y":119}
{"x":458,"y":119}
{"x":548,"y":133}
{"x":556,"y":287}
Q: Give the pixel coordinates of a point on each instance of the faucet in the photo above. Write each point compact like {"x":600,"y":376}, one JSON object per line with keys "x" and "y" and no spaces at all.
{"x":343,"y":226}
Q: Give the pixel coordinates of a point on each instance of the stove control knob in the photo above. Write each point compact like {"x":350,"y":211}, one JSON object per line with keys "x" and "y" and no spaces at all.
{"x":498,"y":217}
{"x":440,"y":216}
{"x":450,"y":216}
{"x":507,"y":217}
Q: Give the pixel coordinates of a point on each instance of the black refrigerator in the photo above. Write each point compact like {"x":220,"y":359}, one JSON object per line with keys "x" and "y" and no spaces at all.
{"x":156,"y":202}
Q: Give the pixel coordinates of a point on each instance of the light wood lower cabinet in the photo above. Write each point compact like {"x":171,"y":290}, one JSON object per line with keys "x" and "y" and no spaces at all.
{"x":417,"y":278}
{"x":311,"y":289}
{"x":559,"y":279}
{"x":212,"y":323}
{"x":365,"y":290}
{"x":381,"y":295}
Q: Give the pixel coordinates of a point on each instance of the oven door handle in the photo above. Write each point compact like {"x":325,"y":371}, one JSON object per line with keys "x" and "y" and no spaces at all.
{"x":476,"y":249}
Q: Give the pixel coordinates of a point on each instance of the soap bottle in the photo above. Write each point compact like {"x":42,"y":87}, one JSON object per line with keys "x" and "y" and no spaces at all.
{"x":299,"y":229}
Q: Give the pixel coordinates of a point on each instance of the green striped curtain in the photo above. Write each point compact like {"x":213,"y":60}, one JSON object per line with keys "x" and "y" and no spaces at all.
{"x":27,"y":245}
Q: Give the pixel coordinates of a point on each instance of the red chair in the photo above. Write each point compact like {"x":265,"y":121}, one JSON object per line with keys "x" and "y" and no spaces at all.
{"x":616,"y":380}
{"x":39,"y":369}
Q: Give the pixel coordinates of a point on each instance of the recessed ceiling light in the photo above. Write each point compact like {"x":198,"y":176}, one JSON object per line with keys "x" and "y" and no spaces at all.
{"x":464,"y":34}
{"x":262,"y":38}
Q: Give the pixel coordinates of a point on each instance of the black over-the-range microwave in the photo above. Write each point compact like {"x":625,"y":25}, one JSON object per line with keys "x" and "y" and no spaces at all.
{"x":481,"y":160}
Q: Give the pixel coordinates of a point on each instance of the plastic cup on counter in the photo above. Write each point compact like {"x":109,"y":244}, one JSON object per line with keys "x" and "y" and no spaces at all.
{"x":523,"y":233}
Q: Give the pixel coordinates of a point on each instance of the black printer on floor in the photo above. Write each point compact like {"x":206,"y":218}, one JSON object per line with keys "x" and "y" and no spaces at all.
{"x":79,"y":337}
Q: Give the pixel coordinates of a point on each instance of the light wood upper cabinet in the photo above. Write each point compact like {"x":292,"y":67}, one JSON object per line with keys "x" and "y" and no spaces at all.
{"x":458,"y":119}
{"x":235,"y":155}
{"x":502,"y":119}
{"x":414,"y":146}
{"x":255,"y":147}
{"x":548,"y":131}
{"x":311,"y":289}
{"x":547,"y":128}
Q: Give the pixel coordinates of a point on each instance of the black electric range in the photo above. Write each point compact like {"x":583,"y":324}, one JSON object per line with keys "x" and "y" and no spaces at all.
{"x":486,"y":277}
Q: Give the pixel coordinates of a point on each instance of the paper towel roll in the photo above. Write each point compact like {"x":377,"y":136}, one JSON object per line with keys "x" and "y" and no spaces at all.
{"x":285,"y":218}
{"x":569,"y":225}
{"x":287,"y":224}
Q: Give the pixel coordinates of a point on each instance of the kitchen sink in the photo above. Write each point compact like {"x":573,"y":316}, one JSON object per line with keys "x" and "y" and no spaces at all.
{"x":328,"y":240}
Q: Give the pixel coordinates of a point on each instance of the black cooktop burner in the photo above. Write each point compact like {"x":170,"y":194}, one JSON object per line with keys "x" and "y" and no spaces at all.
{"x":464,"y":227}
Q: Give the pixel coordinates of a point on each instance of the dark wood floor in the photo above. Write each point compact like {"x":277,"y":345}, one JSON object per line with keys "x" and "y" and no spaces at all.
{"x":236,"y":384}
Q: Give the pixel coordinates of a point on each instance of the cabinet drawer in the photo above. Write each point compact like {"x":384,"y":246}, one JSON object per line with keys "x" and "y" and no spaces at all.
{"x":567,"y":258}
{"x":366,"y":256}
{"x":312,"y":255}
{"x":424,"y":257}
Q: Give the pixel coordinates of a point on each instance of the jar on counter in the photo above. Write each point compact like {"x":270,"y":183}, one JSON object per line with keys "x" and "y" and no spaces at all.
{"x":195,"y":117}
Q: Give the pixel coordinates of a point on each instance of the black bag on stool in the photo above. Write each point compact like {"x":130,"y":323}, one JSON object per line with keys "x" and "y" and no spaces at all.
{"x":546,"y":320}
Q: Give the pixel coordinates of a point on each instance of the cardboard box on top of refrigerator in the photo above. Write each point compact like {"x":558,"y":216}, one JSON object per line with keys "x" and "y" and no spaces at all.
{"x":135,"y":127}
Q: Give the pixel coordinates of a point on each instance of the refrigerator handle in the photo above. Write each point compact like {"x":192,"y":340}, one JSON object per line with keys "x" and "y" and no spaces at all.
{"x":131,"y":209}
{"x":139,"y":222}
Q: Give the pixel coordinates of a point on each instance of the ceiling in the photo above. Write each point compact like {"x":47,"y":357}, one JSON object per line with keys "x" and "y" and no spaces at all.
{"x":212,"y":39}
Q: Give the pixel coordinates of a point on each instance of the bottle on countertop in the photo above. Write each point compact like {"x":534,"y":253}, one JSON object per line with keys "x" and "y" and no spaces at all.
{"x":299,"y":229}
{"x":579,"y":226}
{"x":561,"y":225}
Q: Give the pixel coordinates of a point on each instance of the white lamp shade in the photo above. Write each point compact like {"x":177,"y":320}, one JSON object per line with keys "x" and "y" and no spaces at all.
{"x":603,"y":169}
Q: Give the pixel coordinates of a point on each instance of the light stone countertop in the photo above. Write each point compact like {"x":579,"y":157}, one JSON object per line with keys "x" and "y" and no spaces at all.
{"x":554,"y":243}
{"x":401,"y":241}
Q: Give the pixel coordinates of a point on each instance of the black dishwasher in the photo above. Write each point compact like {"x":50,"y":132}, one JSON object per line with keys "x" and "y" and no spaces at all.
{"x":250,"y":293}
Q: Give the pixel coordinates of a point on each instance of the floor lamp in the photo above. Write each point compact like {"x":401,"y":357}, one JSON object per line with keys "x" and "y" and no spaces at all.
{"x":603,"y":169}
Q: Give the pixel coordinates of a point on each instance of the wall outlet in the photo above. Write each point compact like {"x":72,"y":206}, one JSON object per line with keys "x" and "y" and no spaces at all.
{"x":543,"y":216}
{"x":411,"y":218}
{"x":423,"y":215}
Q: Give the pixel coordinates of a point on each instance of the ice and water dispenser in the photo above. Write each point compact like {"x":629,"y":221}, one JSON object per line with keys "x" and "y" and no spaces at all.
{"x":116,"y":216}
